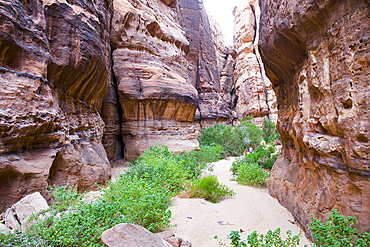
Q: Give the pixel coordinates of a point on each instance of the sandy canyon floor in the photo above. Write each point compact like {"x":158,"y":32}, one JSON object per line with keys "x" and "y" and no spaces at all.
{"x":198,"y":220}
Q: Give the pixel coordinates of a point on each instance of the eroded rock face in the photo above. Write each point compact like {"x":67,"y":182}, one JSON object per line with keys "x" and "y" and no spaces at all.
{"x":166,"y":78}
{"x":203,"y":70}
{"x":253,"y":88}
{"x":157,"y":101}
{"x":317,"y":56}
{"x":54,"y":69}
{"x":225,"y":64}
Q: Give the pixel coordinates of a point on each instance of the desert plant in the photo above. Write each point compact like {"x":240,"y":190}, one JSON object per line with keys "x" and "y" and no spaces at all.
{"x":210,"y":189}
{"x":264,"y":156}
{"x":337,"y":231}
{"x":233,"y":140}
{"x":269,"y":130}
{"x":251,"y":174}
{"x":270,"y":239}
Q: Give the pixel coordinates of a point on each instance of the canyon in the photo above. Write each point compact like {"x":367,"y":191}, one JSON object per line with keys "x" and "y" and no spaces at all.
{"x":87,"y":83}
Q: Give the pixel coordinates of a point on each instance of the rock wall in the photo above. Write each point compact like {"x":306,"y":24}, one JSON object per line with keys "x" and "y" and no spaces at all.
{"x":54,"y":70}
{"x":317,"y":55}
{"x":203,"y":71}
{"x":165,"y":77}
{"x":225,"y":64}
{"x":254,"y":90}
{"x":157,"y":102}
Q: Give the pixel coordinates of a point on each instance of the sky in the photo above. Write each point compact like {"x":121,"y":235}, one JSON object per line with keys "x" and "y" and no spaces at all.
{"x":222,"y":11}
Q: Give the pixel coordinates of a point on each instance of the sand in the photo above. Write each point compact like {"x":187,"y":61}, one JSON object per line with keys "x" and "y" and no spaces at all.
{"x":198,"y":220}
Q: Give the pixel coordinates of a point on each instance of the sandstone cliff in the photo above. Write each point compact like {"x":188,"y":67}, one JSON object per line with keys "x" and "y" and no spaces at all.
{"x":54,"y":70}
{"x":157,"y":102}
{"x":317,"y":55}
{"x":225,"y":64}
{"x":254,"y":90}
{"x":164,"y":71}
{"x":203,"y":70}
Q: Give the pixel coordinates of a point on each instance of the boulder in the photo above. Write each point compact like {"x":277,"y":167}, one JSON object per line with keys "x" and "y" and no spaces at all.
{"x":9,"y":220}
{"x":130,"y":235}
{"x":4,"y":230}
{"x":31,"y":204}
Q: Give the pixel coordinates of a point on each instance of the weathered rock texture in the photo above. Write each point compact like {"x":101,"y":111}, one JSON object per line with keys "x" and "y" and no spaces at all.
{"x":203,"y":70}
{"x":164,"y":70}
{"x":129,"y":235}
{"x":54,"y":69}
{"x":17,"y":216}
{"x":225,"y":64}
{"x":156,"y":100}
{"x":317,"y":56}
{"x":254,"y":90}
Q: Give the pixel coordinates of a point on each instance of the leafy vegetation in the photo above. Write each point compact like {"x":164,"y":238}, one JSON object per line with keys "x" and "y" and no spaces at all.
{"x":269,"y":131}
{"x":210,"y":189}
{"x":271,"y":238}
{"x":141,"y":196}
{"x":233,"y":140}
{"x":251,"y":174}
{"x":338,"y":231}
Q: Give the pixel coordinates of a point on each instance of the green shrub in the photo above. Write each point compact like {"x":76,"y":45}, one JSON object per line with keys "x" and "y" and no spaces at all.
{"x":23,"y":239}
{"x":261,"y":155}
{"x":65,"y":197}
{"x":140,"y":195}
{"x":338,"y":231}
{"x":269,"y":130}
{"x":252,"y":135}
{"x":272,"y":238}
{"x":210,"y":189}
{"x":197,"y":161}
{"x":140,"y":200}
{"x":233,"y":141}
{"x":251,"y":174}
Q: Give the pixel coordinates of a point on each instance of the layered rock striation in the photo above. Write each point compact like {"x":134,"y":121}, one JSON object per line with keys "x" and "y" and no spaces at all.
{"x":203,"y":70}
{"x":151,"y":99}
{"x":225,"y":64}
{"x":164,"y":68}
{"x":317,"y":56}
{"x":255,"y":95}
{"x":54,"y":71}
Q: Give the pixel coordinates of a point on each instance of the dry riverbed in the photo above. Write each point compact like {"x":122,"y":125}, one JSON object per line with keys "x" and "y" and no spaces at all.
{"x":198,"y":220}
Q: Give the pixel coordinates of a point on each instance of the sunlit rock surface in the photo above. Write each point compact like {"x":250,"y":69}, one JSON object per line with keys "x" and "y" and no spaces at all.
{"x":317,"y":55}
{"x":253,"y":88}
{"x":54,"y":69}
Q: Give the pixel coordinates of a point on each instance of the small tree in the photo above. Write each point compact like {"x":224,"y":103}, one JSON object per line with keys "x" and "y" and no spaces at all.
{"x":269,"y":130}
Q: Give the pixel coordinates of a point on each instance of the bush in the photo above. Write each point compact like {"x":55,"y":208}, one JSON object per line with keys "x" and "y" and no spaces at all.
{"x":252,"y":135}
{"x":141,"y":196}
{"x":142,"y":201}
{"x":197,"y":161}
{"x":210,"y":189}
{"x":272,"y":238}
{"x":232,"y":140}
{"x":338,"y":231}
{"x":269,"y":130}
{"x":251,"y":174}
{"x":261,"y":155}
